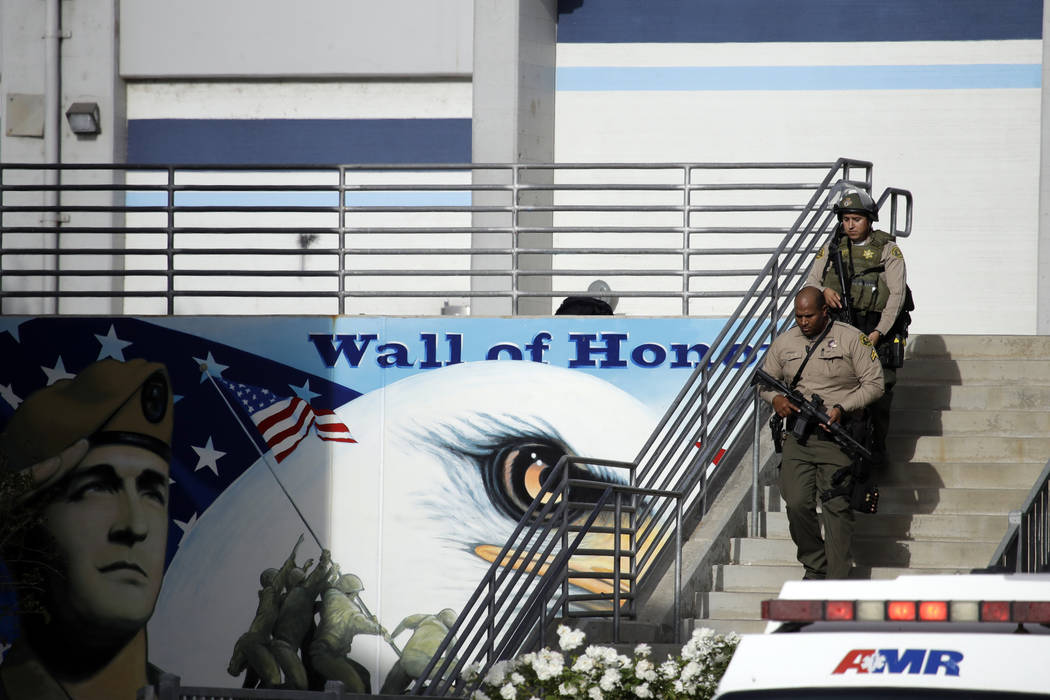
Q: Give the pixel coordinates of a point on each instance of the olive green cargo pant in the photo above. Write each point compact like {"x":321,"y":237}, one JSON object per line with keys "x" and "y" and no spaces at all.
{"x":807,"y":471}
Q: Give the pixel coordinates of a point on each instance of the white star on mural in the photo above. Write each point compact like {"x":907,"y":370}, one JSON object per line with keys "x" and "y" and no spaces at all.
{"x":208,"y":366}
{"x":8,"y":394}
{"x":303,"y":392}
{"x":209,"y":457}
{"x":13,"y":330}
{"x":186,"y":526}
{"x":57,"y":372}
{"x":112,"y":346}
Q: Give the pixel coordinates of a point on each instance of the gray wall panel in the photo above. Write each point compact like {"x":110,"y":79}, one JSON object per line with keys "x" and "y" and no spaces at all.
{"x":266,"y":38}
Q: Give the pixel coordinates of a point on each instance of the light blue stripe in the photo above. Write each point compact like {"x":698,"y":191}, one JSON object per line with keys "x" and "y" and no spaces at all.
{"x":940,"y":77}
{"x":300,"y":199}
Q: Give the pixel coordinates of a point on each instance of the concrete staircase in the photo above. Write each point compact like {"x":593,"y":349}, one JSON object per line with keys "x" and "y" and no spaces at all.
{"x":970,"y":433}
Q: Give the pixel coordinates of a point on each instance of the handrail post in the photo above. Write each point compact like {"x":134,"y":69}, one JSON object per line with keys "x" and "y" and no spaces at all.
{"x":678,"y":570}
{"x":616,"y":567}
{"x":687,"y":179}
{"x":171,"y":242}
{"x":754,"y":467}
{"x":341,"y":266}
{"x":515,"y":238}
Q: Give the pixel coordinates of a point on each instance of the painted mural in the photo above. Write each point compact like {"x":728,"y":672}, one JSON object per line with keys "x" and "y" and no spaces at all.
{"x":273,"y":502}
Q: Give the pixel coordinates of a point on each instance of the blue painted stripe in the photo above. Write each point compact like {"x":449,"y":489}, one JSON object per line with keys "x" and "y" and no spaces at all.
{"x":233,"y":198}
{"x":704,"y":21}
{"x":298,"y":141}
{"x":943,"y":77}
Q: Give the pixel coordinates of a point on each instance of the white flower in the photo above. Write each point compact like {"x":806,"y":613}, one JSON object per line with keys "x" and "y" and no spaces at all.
{"x":568,"y":638}
{"x":609,"y":679}
{"x":679,"y":687}
{"x":567,"y":689}
{"x":478,"y":695}
{"x":643,"y":691}
{"x":496,"y":674}
{"x":669,"y":669}
{"x":595,"y":694}
{"x":508,"y":692}
{"x":583,"y":664}
{"x":645,"y":670}
{"x":643,"y":649}
{"x":516,"y":678}
{"x":691,"y":670}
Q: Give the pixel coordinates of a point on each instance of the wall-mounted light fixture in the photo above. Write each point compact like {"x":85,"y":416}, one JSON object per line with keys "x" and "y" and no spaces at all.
{"x":83,"y":118}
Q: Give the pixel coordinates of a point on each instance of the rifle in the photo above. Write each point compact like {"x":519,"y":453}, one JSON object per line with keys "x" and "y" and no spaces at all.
{"x":845,"y":314}
{"x":812,"y":413}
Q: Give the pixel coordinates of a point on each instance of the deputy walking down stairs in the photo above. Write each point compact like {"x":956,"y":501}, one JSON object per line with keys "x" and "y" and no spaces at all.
{"x":838,"y":364}
{"x":876,"y":298}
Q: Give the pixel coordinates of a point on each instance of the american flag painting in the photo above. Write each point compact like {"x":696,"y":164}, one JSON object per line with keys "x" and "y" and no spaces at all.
{"x":217,"y":435}
{"x":285,"y":421}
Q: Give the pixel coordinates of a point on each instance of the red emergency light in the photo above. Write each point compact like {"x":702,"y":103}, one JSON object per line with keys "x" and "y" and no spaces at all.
{"x":788,"y":610}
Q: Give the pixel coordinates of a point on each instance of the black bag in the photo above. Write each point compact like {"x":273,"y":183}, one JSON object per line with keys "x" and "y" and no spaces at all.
{"x":891,"y":348}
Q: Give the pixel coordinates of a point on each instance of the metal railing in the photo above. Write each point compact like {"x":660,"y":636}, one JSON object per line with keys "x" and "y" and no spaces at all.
{"x":710,"y":415}
{"x":670,"y":239}
{"x":1025,"y":548}
{"x":169,"y":687}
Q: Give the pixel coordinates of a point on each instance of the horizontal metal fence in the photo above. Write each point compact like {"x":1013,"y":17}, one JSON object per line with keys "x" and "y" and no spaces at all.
{"x":669,"y":239}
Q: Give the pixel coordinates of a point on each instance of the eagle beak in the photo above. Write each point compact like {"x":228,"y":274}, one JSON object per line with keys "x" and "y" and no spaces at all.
{"x":596,"y":570}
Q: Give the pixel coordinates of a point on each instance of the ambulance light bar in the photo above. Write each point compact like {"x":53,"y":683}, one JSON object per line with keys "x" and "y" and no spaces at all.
{"x":784,"y":610}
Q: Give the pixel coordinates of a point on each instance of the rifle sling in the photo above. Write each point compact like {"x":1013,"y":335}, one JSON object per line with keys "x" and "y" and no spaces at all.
{"x":809,"y":353}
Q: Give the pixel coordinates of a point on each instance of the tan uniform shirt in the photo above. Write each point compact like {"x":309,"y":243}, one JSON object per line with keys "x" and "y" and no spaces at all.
{"x":895,"y":276}
{"x":844,"y":370}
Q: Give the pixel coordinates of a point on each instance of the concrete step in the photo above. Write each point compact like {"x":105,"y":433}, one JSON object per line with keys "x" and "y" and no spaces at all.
{"x":911,"y":393}
{"x":899,"y":526}
{"x":959,"y":475}
{"x":907,"y":500}
{"x":881,"y":552}
{"x":743,"y":626}
{"x":983,"y":371}
{"x":724,"y":605}
{"x":919,"y":421}
{"x":968,"y":448}
{"x":768,"y":578}
{"x":897,"y":499}
{"x":978,"y":346}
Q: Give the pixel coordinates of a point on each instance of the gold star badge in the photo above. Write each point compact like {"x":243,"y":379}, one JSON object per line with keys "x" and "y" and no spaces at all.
{"x":868,"y":255}
{"x":820,"y":254}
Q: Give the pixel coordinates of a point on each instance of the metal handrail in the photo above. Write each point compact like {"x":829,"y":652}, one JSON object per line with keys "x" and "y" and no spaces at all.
{"x":712,"y":411}
{"x":1025,"y":548}
{"x":659,"y":231}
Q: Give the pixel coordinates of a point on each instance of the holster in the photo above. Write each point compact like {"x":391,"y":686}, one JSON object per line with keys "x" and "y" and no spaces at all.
{"x":891,"y":350}
{"x":776,"y":428}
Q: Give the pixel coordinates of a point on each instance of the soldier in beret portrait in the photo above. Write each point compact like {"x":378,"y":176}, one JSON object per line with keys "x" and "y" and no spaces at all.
{"x":91,"y":455}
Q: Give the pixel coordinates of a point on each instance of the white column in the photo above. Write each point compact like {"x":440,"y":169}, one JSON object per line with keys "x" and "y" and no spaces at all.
{"x":513,"y":122}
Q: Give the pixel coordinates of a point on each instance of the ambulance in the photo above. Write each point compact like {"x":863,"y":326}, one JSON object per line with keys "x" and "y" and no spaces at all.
{"x":983,"y":635}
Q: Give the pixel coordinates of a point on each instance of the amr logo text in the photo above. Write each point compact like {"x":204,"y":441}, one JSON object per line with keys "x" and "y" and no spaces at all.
{"x":901,"y":661}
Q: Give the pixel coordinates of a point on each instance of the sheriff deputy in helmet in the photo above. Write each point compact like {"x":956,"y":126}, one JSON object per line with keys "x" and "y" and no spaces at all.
{"x":874,"y":264}
{"x":89,"y":461}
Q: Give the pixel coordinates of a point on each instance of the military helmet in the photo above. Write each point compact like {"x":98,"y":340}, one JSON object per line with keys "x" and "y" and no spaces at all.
{"x":268,"y":576}
{"x":348,"y":583}
{"x":109,"y":403}
{"x":856,"y":201}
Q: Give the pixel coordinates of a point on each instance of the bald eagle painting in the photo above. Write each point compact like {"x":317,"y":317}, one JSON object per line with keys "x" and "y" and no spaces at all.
{"x":445,"y":463}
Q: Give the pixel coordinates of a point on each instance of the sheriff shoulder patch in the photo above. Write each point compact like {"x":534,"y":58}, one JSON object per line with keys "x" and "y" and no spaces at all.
{"x":896,"y":252}
{"x":864,"y":340}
